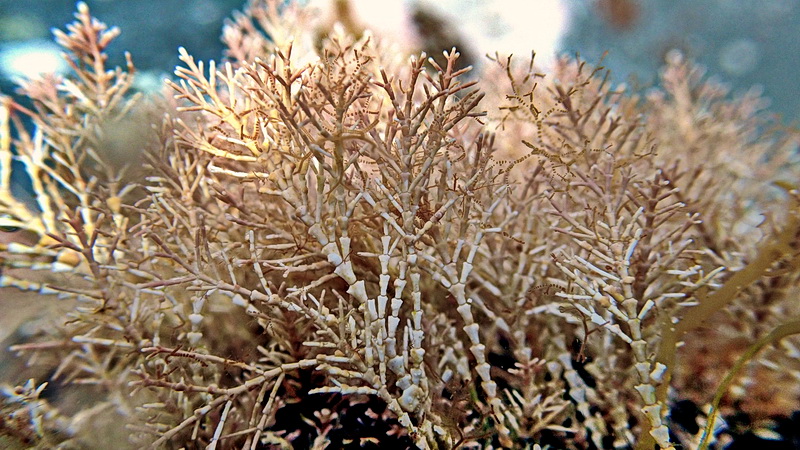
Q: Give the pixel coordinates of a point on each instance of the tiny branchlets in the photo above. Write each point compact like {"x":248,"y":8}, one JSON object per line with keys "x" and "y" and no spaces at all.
{"x":333,"y":244}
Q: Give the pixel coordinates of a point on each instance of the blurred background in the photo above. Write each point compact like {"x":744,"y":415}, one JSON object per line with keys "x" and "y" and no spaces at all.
{"x":743,"y":43}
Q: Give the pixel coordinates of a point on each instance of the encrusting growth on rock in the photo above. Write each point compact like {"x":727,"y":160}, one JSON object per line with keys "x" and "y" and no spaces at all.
{"x":337,"y":245}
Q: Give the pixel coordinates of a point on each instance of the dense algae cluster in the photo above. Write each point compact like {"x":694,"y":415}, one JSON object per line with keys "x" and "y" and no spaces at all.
{"x":328,"y":243}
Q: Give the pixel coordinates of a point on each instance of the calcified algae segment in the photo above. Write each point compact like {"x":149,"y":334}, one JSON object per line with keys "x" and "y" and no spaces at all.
{"x":335,"y":245}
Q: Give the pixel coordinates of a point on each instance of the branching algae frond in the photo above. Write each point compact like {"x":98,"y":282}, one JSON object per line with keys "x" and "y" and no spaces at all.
{"x":333,"y":244}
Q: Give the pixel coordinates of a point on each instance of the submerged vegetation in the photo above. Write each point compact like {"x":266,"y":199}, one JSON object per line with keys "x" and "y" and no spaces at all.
{"x":323,"y":242}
